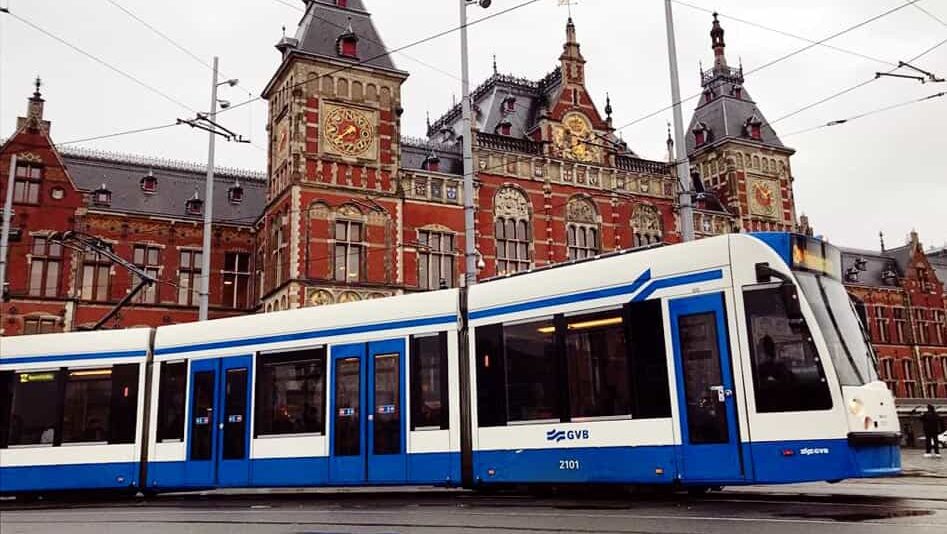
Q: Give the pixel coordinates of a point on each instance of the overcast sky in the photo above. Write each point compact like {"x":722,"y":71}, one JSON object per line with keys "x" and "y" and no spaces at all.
{"x":880,"y":172}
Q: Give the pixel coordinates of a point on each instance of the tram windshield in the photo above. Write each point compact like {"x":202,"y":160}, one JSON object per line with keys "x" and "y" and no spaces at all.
{"x":819,"y":273}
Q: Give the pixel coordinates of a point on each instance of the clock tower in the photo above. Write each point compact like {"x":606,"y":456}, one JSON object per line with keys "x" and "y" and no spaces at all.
{"x":738,"y":155}
{"x":333,"y":210}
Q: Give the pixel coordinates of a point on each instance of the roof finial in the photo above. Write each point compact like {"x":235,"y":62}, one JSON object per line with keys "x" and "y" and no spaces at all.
{"x":494,"y":64}
{"x":38,"y":83}
{"x":608,"y":105}
{"x":716,"y":42}
{"x":881,"y":237}
{"x":428,"y":115}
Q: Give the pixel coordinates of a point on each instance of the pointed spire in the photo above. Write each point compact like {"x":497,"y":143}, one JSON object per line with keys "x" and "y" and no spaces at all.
{"x":495,"y":65}
{"x":608,"y":106}
{"x":716,"y":42}
{"x":428,"y":118}
{"x":881,"y":237}
{"x":571,"y":59}
{"x":670,"y":144}
{"x":34,"y":109}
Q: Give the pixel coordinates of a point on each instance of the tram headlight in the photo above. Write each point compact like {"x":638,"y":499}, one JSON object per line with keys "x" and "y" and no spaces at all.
{"x":855,"y":406}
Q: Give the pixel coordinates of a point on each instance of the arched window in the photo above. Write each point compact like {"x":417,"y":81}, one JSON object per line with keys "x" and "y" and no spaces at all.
{"x":582,"y":231}
{"x":512,"y":230}
{"x":647,"y":226}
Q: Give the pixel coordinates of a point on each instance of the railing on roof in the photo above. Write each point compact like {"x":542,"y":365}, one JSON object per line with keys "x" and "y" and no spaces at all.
{"x":158,"y":163}
{"x":429,"y":144}
{"x":508,"y":144}
{"x":627,"y":163}
{"x":726,"y":74}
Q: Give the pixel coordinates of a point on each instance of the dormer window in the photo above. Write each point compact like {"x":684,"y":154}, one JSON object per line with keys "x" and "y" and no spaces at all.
{"x":737,"y":91}
{"x":102,"y":196}
{"x":889,"y":277}
{"x":505,"y":127}
{"x":194,"y":205}
{"x":509,"y":104}
{"x":851,"y":275}
{"x":235,"y":193}
{"x":753,"y":127}
{"x":149,"y":184}
{"x":431,"y":163}
{"x":700,"y":134}
{"x":347,"y":43}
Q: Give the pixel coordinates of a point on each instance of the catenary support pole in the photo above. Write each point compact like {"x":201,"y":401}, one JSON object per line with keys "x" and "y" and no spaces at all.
{"x":470,"y":244}
{"x":683,"y":171}
{"x":7,"y":218}
{"x":204,"y":292}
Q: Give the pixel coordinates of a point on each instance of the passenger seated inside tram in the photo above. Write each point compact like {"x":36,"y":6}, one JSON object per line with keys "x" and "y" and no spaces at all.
{"x":772,"y":372}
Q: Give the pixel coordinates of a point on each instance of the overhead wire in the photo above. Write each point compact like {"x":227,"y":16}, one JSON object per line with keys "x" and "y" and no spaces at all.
{"x":102,"y":62}
{"x":847,"y":120}
{"x":779,"y":59}
{"x":396,"y":50}
{"x":931,"y":15}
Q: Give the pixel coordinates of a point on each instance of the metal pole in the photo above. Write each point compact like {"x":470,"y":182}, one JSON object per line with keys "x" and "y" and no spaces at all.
{"x":470,"y":245}
{"x":7,"y":218}
{"x":683,"y":171}
{"x":208,"y":204}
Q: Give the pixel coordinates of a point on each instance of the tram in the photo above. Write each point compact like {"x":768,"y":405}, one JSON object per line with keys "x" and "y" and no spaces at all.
{"x":731,"y":360}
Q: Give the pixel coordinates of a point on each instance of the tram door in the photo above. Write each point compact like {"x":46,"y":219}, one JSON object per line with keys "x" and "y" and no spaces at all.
{"x":218,"y":432}
{"x":710,"y":442}
{"x":367,"y":429}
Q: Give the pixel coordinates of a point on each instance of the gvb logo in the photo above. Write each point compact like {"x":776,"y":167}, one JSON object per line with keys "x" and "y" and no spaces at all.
{"x":562,"y":435}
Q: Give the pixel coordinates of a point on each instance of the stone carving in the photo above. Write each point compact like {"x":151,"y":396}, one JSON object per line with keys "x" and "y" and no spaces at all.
{"x":319,"y":297}
{"x":581,"y":210}
{"x":349,"y":296}
{"x":646,"y":219}
{"x":510,"y":203}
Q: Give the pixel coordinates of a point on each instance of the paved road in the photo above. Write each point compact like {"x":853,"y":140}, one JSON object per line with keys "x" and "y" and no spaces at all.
{"x":916,"y":505}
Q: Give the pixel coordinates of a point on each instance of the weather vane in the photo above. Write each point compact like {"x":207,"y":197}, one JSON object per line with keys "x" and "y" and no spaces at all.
{"x":568,"y":4}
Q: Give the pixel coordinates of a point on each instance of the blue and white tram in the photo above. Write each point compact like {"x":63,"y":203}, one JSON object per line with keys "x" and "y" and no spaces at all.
{"x":732,"y":360}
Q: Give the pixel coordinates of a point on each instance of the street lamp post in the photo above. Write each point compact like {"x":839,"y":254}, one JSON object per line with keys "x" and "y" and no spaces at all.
{"x":204,"y":291}
{"x":470,"y":245}
{"x":683,"y":176}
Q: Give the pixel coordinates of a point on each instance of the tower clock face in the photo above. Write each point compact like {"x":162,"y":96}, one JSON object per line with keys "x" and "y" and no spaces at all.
{"x":349,"y":132}
{"x":764,"y":198}
{"x":574,"y":139}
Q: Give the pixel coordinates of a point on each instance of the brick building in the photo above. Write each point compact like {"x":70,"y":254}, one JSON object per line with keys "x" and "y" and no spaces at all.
{"x":149,"y":210}
{"x":900,"y":292}
{"x":350,"y":208}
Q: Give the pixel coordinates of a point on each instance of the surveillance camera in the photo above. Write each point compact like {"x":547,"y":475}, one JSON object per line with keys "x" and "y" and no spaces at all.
{"x":224,"y":104}
{"x":485,"y":3}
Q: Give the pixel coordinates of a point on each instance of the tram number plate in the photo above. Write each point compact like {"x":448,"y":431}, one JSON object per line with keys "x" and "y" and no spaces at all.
{"x":569,"y":465}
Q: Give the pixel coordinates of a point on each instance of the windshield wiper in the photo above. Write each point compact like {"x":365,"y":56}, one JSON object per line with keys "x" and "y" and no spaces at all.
{"x":838,"y":331}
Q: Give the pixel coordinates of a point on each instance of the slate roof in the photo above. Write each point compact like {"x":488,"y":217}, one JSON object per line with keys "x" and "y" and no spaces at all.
{"x":176,"y":183}
{"x":938,"y":260}
{"x":415,"y":151}
{"x":870,"y":265}
{"x":725,"y":115}
{"x":324,"y":21}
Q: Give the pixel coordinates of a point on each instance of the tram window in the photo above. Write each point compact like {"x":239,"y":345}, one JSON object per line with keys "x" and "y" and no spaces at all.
{"x":33,"y":417}
{"x":172,"y":385}
{"x":6,"y":401}
{"x":86,"y":405}
{"x":598,"y":365}
{"x":290,"y":393}
{"x":787,"y":370}
{"x":651,"y":395}
{"x":532,"y":371}
{"x":124,"y":406}
{"x":429,"y":400}
{"x":491,"y":379}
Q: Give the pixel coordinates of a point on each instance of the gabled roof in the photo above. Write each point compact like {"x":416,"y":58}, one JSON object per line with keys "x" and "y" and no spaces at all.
{"x":176,"y":184}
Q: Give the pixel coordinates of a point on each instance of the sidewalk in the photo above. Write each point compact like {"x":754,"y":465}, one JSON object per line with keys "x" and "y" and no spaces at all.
{"x":913,"y":463}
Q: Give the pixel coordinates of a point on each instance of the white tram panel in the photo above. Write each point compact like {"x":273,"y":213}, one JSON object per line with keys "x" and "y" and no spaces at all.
{"x":370,"y":320}
{"x":576,"y":287}
{"x":747,"y":251}
{"x":76,"y":351}
{"x":602,"y":274}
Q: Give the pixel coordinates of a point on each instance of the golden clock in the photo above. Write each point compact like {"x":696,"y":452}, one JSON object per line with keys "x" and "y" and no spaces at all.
{"x":574,"y":139}
{"x":349,"y":131}
{"x":763,"y":198}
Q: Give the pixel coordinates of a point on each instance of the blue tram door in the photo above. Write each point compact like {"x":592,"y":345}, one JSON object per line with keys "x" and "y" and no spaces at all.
{"x":710,"y":444}
{"x":218,"y":415}
{"x":367,"y":430}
